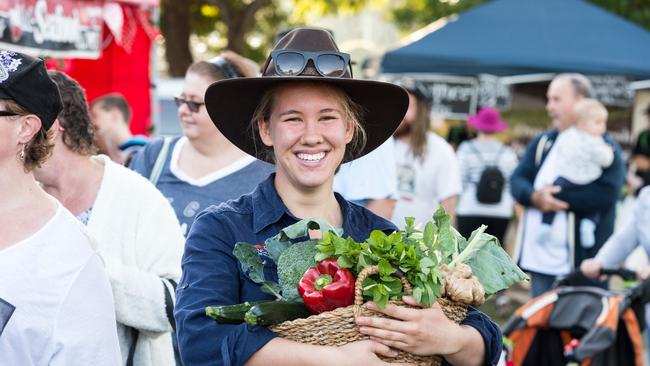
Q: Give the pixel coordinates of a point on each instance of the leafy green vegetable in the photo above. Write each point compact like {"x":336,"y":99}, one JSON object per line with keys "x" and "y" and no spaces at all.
{"x":250,"y":261}
{"x":292,"y":265}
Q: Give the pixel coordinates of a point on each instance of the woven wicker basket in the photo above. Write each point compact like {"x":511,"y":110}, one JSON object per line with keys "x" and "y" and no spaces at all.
{"x":337,"y":327}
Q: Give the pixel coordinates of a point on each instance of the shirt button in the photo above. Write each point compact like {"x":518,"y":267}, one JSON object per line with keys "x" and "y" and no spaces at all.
{"x":186,"y":285}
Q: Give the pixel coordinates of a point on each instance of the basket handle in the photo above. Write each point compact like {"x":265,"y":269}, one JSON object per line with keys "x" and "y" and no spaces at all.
{"x":370,"y":270}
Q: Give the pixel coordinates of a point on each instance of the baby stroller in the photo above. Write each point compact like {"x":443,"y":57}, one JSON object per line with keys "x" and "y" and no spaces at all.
{"x":575,"y":324}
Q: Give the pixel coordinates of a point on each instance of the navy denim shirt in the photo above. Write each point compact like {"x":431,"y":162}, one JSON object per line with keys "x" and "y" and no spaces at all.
{"x":212,"y":275}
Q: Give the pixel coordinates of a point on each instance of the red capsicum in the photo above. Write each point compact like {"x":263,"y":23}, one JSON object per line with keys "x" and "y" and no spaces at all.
{"x":326,"y":287}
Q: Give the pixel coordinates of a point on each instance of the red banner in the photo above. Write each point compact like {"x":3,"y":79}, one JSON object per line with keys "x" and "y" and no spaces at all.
{"x":54,"y":28}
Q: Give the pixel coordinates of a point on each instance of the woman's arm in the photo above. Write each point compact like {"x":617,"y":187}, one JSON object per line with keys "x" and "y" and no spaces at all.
{"x":144,"y":287}
{"x":288,"y":353}
{"x":211,"y":277}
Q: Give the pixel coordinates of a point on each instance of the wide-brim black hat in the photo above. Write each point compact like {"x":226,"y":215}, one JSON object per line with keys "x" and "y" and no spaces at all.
{"x":231,"y":103}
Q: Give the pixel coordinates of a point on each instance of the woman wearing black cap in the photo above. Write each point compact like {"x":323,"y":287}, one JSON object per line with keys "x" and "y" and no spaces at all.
{"x":304,"y":115}
{"x":56,"y":306}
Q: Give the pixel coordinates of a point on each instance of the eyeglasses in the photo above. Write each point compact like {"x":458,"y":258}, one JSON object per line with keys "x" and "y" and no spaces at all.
{"x":8,"y":113}
{"x":192,"y":106}
{"x":293,"y":62}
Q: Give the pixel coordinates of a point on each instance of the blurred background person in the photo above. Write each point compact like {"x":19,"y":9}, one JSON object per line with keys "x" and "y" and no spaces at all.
{"x":371,"y":181}
{"x":135,"y":228}
{"x":532,"y":186}
{"x":111,"y":116}
{"x":56,"y":306}
{"x":427,"y":170}
{"x":583,"y":155}
{"x":641,"y":159}
{"x":459,"y":133}
{"x":485,"y":168}
{"x":201,"y":167}
{"x":633,"y":233}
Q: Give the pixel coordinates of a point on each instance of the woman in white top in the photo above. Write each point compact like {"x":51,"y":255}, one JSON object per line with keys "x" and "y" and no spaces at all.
{"x":134,"y":226}
{"x":56,"y":306}
{"x":427,"y":169}
{"x":488,"y":203}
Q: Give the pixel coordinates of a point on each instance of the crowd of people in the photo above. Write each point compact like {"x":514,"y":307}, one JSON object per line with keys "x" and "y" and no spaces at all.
{"x":114,"y":244}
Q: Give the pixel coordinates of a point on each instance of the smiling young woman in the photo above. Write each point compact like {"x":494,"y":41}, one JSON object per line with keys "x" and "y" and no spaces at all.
{"x":304,"y":116}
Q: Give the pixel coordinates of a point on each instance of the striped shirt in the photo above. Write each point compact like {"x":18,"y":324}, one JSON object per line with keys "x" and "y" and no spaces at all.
{"x":473,"y":157}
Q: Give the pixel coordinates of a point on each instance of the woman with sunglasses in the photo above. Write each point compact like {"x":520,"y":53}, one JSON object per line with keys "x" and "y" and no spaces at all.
{"x":56,"y":305}
{"x":305,"y":116}
{"x":201,"y":167}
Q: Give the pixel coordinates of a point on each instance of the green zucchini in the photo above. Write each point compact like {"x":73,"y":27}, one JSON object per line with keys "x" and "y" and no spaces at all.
{"x":231,"y":314}
{"x":275,"y":312}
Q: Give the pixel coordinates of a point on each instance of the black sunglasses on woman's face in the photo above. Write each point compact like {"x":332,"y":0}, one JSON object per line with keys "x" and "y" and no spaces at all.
{"x":7,"y":114}
{"x":192,"y":106}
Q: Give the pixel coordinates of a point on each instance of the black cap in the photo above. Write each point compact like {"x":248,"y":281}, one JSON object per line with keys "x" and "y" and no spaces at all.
{"x":416,"y":88}
{"x":24,"y":79}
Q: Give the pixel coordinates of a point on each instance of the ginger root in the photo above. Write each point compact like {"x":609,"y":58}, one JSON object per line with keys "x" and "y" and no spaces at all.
{"x":461,"y":285}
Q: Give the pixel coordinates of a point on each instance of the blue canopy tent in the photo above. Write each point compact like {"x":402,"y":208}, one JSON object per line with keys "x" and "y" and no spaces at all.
{"x":515,"y":37}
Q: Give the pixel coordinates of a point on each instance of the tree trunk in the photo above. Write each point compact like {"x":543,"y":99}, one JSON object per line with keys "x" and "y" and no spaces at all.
{"x":239,"y":20}
{"x":176,"y":28}
{"x":236,"y":32}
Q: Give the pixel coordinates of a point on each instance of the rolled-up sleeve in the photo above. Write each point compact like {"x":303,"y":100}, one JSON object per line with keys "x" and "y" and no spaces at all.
{"x":211,"y":277}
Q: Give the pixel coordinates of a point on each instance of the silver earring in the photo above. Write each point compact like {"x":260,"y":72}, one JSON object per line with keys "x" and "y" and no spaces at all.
{"x":22,"y":152}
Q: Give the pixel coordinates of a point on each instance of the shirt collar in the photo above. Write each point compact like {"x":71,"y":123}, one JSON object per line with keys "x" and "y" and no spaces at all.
{"x":268,"y":207}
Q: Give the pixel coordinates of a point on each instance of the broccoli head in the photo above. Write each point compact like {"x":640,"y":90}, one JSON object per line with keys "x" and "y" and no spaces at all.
{"x":292,"y":264}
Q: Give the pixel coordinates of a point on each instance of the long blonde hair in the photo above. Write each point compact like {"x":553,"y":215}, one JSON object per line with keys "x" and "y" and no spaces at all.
{"x":420,"y":128}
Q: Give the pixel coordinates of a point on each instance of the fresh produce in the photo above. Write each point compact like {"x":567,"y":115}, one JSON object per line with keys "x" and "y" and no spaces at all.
{"x":461,"y":285}
{"x":436,"y":261}
{"x":292,"y":264}
{"x":326,"y":287}
{"x":275,"y":312}
{"x":230,"y":314}
{"x":419,"y":255}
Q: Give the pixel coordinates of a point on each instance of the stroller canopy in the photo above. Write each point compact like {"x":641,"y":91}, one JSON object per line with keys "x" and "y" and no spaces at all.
{"x":604,"y":322}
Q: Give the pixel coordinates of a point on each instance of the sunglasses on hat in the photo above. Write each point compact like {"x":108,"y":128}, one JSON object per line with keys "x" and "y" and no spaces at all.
{"x":327,"y":63}
{"x":192,"y":106}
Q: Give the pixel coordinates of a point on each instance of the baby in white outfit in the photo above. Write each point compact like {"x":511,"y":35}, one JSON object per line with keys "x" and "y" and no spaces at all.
{"x":583,"y":153}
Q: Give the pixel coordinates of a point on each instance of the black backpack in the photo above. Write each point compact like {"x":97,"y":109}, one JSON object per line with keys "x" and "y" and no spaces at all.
{"x":489,"y":188}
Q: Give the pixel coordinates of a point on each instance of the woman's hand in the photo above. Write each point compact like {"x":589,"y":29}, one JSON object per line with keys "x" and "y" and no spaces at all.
{"x":364,"y":353}
{"x":425,"y":331}
{"x":643,"y":273}
{"x":591,"y":268}
{"x":280,"y":351}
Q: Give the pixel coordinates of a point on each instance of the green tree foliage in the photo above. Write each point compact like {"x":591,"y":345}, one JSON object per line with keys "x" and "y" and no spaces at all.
{"x":637,"y":11}
{"x":410,"y":15}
